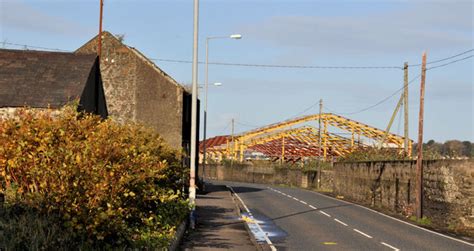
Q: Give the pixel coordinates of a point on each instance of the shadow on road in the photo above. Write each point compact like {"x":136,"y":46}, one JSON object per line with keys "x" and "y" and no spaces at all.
{"x":308,"y":211}
{"x":242,"y":189}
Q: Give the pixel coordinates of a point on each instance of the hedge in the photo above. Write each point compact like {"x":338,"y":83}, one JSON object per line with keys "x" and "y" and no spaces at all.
{"x":105,"y":184}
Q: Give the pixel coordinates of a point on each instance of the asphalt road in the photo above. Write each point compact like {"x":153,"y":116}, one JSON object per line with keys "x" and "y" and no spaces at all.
{"x":297,"y":219}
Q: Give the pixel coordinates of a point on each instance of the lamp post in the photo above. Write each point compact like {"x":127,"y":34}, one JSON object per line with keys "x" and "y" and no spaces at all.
{"x":192,"y":171}
{"x":233,"y":36}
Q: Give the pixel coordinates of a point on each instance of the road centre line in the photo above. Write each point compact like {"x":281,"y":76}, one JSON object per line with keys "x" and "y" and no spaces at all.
{"x":390,"y":246}
{"x":340,"y":222}
{"x":393,"y":218}
{"x":269,"y":242}
{"x":325,"y":213}
{"x":362,"y":233}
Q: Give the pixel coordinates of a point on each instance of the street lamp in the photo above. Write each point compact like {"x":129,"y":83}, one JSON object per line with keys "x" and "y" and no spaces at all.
{"x":233,"y":36}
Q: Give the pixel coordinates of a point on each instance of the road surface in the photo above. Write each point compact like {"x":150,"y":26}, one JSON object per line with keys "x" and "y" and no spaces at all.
{"x":298,"y":219}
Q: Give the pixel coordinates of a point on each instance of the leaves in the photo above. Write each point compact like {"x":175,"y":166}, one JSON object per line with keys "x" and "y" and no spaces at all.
{"x":109,"y":178}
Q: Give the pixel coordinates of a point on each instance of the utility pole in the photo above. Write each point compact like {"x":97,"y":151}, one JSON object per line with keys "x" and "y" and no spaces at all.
{"x":319,"y":142}
{"x":387,"y":130}
{"x":233,"y":144}
{"x":405,"y":108}
{"x":192,"y":171}
{"x":99,"y":46}
{"x":419,"y":160}
{"x":282,"y":159}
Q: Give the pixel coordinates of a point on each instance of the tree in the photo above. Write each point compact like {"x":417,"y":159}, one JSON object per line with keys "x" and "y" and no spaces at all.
{"x":453,"y":148}
{"x":467,"y":151}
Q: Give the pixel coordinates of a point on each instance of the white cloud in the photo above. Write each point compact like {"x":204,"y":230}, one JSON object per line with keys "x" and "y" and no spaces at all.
{"x":19,"y":15}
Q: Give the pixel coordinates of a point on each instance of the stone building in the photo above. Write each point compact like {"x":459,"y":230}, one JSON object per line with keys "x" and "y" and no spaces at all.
{"x":41,"y":79}
{"x":139,"y":91}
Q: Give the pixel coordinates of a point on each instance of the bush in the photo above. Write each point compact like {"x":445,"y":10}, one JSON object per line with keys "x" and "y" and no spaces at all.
{"x":374,"y":154}
{"x":314,"y":164}
{"x":110,"y":184}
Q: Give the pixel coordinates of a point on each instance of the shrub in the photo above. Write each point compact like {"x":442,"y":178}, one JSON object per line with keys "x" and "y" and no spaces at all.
{"x":110,"y":184}
{"x":374,"y":154}
{"x":314,"y":164}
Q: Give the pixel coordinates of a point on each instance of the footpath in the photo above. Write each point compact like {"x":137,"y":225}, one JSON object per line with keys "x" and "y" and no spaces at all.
{"x":218,"y":224}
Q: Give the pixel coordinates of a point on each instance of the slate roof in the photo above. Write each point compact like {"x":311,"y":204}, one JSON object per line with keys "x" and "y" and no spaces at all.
{"x":42,"y":79}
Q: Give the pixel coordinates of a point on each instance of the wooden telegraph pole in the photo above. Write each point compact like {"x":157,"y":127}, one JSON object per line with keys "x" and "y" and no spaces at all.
{"x":405,"y":108}
{"x":233,"y":145}
{"x":99,"y":46}
{"x":319,"y":142}
{"x":419,"y":160}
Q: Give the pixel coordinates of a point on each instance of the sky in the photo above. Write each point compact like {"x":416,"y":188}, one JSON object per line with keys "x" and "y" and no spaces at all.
{"x":291,"y":32}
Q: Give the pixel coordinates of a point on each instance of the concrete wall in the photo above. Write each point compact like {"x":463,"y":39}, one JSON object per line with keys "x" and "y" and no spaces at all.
{"x":390,"y":185}
{"x":138,"y":91}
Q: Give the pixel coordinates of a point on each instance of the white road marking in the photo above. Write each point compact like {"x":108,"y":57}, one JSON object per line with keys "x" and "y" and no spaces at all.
{"x":304,"y":202}
{"x":269,"y":242}
{"x":362,"y":233}
{"x":313,"y":207}
{"x":341,"y":222}
{"x":393,"y":218}
{"x":392,"y":247}
{"x":325,"y":213}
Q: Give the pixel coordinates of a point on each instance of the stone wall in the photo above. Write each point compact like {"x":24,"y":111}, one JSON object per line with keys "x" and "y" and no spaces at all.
{"x":390,"y":186}
{"x":9,"y":112}
{"x":268,"y":175}
{"x":138,"y":91}
{"x":118,"y":68}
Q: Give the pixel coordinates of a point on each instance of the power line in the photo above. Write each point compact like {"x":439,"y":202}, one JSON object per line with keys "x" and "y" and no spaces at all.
{"x":444,"y":59}
{"x":452,"y":62}
{"x":227,"y":126}
{"x":271,"y":65}
{"x":376,"y":104}
{"x":280,"y":66}
{"x":247,"y":125}
{"x":396,"y":92}
{"x":307,"y":109}
{"x":33,"y":47}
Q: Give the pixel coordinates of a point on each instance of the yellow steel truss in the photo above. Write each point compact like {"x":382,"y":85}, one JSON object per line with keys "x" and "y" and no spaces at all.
{"x":338,"y":145}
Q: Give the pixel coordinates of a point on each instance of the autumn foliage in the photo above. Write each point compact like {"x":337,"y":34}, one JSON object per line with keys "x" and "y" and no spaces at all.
{"x":107,"y":183}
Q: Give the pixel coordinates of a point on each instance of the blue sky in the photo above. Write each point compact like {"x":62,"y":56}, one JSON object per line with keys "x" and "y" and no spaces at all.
{"x":327,"y":33}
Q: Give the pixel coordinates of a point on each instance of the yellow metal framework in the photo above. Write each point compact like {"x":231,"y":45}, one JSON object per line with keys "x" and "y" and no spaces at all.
{"x":304,"y":140}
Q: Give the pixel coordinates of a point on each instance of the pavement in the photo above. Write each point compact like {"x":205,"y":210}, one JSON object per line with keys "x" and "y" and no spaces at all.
{"x":218,"y":223}
{"x":298,"y":219}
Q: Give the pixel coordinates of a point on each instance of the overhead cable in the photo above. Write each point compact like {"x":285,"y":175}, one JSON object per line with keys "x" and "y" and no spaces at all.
{"x":280,"y":66}
{"x":376,"y":104}
{"x":33,"y":47}
{"x":444,"y":59}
